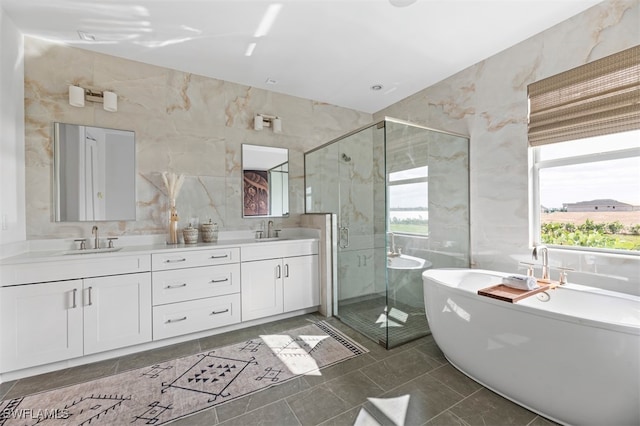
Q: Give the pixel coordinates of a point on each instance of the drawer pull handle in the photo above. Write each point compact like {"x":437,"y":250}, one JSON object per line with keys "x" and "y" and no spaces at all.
{"x":169,"y":287}
{"x":169,"y":321}
{"x":219,"y":281}
{"x":219,"y":257}
{"x":220,"y":312}
{"x":89,"y":304}
{"x":75,"y":292}
{"x":175,"y":260}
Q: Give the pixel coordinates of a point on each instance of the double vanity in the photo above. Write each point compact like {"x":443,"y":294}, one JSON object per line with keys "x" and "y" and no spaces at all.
{"x":58,"y":309}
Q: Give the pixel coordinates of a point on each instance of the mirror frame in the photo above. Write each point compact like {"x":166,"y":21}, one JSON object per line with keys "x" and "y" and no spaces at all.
{"x":260,"y":176}
{"x":130,"y":211}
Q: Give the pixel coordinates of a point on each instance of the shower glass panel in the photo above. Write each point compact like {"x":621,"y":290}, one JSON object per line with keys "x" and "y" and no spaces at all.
{"x":401,"y":196}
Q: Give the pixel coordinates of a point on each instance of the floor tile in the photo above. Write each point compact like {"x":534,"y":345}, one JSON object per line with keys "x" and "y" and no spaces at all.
{"x":5,"y":387}
{"x":446,"y":418}
{"x":399,"y":368}
{"x":457,"y":381}
{"x":317,"y":405}
{"x":420,"y":399}
{"x":541,"y":421}
{"x":487,"y":408}
{"x":276,"y":414}
{"x":61,"y":378}
{"x":348,"y":418}
{"x":260,"y":399}
{"x":341,"y":368}
{"x":354,"y":388}
{"x":202,"y":418}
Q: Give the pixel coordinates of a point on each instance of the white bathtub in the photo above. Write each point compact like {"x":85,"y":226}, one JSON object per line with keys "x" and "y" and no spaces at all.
{"x":574,"y":358}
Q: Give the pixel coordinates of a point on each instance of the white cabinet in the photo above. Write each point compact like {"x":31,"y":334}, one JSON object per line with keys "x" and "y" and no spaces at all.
{"x":195,"y":290}
{"x":117,"y":311}
{"x":40,"y":323}
{"x":53,"y":321}
{"x":301,"y":283}
{"x":273,"y":284}
{"x":261,"y":289}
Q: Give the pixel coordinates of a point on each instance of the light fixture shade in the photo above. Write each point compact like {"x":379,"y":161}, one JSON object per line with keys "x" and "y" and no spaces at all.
{"x":277,"y":125}
{"x":110,"y":101}
{"x":76,"y":96}
{"x":257,"y":122}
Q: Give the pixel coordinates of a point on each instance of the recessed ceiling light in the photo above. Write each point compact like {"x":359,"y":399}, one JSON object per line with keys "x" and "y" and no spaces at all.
{"x":376,"y":87}
{"x":86,"y":36}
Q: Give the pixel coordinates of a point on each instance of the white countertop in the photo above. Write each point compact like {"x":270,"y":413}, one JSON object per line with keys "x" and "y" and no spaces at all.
{"x":66,"y":249}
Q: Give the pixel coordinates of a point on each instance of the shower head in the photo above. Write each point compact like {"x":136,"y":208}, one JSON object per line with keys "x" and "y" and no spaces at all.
{"x":345,"y":158}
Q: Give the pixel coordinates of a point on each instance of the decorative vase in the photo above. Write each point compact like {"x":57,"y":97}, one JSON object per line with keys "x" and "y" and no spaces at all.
{"x":173,"y":222}
{"x":209,"y":232}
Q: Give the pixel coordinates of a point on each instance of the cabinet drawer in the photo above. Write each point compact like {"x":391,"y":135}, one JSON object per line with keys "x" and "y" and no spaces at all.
{"x":265,"y":250}
{"x":180,"y":285}
{"x":181,"y":318}
{"x":191,"y":258}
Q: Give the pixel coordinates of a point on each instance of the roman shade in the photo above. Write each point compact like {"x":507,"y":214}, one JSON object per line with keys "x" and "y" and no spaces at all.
{"x":598,"y":98}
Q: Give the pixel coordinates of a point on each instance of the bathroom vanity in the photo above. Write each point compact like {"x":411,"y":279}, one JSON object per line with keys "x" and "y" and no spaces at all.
{"x":58,"y":310}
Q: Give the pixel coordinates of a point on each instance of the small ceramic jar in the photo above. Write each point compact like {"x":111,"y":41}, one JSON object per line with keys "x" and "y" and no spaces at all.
{"x":190,"y":235}
{"x":209,"y":232}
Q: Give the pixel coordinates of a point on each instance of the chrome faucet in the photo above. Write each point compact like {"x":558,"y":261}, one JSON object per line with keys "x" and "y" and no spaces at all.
{"x":537,"y":249}
{"x":270,"y":229}
{"x":96,"y":242}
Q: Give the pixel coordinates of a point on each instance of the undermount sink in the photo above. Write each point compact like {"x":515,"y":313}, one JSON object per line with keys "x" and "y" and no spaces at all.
{"x":91,"y":251}
{"x":262,"y":240}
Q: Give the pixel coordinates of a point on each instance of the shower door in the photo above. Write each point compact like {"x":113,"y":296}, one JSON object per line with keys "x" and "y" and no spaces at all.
{"x":347,"y":177}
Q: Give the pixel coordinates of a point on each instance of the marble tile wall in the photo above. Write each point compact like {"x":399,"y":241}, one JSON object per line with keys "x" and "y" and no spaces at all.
{"x":183,"y":123}
{"x":488,"y":101}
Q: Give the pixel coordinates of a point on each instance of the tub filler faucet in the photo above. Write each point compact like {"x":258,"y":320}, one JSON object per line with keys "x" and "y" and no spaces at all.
{"x":542,"y":249}
{"x":394,"y":251}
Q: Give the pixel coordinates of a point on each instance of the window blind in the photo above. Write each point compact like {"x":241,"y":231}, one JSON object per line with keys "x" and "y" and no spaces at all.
{"x":598,"y":98}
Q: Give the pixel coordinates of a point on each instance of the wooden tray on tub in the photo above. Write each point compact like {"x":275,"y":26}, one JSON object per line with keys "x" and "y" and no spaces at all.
{"x":512,"y":295}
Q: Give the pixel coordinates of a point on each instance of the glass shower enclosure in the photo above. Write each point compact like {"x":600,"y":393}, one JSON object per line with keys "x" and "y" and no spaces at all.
{"x":400,"y":196}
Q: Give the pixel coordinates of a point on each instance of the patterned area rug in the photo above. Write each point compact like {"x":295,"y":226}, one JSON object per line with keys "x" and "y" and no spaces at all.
{"x":167,"y":391}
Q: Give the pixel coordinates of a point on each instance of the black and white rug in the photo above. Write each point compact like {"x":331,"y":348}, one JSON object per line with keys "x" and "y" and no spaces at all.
{"x":170,"y":390}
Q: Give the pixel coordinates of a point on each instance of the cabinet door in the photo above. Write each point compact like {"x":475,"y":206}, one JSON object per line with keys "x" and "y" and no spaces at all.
{"x":40,"y":323}
{"x":117,"y":311}
{"x":261,"y":283}
{"x":301,"y":283}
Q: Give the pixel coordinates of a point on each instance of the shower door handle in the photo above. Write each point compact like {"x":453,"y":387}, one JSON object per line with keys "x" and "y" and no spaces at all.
{"x":344,"y":237}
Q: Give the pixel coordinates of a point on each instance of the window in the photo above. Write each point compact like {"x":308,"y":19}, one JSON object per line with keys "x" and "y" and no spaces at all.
{"x":584,"y":130}
{"x":408,"y":201}
{"x":590,"y":199}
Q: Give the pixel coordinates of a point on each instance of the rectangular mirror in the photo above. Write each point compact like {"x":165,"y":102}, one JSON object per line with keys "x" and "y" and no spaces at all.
{"x":265,"y":181}
{"x":94,"y":173}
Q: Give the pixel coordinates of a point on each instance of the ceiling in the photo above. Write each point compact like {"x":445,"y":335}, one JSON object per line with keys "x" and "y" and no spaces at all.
{"x":330,"y":51}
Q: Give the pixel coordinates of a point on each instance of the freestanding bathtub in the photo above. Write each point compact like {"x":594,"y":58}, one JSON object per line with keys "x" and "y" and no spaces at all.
{"x":571,"y":354}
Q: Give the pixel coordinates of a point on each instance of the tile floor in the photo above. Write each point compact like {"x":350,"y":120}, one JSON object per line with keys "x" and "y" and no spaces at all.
{"x":438,"y":393}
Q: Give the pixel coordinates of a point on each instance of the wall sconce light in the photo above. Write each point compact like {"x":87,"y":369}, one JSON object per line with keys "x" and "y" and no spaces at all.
{"x":263,"y":120}
{"x":77,"y":96}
